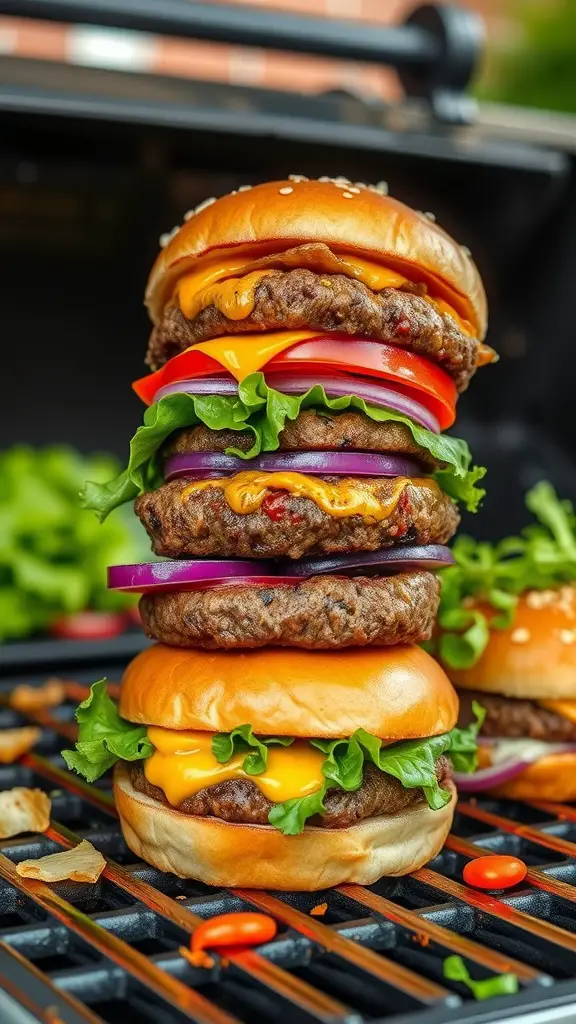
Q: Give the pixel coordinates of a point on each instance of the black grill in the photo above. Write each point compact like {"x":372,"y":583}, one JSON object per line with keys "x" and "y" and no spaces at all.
{"x":111,"y":951}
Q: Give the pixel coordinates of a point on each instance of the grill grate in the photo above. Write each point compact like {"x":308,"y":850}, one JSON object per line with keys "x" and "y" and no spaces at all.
{"x":75,"y":953}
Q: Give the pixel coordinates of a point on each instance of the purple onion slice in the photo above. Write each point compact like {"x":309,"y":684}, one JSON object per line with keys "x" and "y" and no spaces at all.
{"x":346,"y":463}
{"x":335,"y":387}
{"x":371,"y":563}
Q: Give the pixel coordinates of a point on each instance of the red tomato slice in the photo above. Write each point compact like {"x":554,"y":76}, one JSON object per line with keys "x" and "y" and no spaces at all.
{"x":368,"y":358}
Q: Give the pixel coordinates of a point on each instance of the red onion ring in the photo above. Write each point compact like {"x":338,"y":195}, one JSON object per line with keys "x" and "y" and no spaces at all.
{"x":371,"y":563}
{"x":178,"y":574}
{"x":335,"y":386}
{"x":202,"y":574}
{"x":498,"y":774}
{"x":346,"y":463}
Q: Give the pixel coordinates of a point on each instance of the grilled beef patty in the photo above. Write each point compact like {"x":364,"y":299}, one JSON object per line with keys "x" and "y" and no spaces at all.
{"x":202,"y":522}
{"x":326,"y":612}
{"x":507,"y":716}
{"x":240,"y":800}
{"x":305,"y":300}
{"x":310,"y":431}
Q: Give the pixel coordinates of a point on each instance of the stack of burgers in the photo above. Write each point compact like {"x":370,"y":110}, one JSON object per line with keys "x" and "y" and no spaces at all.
{"x":286,"y":730}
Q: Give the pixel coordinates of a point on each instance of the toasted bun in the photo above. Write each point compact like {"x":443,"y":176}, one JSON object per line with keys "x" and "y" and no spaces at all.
{"x":267,"y":219}
{"x":550,"y":778}
{"x":536,"y":658}
{"x":260,"y":857}
{"x":394,"y":693}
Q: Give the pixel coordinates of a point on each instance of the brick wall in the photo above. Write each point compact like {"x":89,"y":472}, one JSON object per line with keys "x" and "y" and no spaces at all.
{"x":214,"y":61}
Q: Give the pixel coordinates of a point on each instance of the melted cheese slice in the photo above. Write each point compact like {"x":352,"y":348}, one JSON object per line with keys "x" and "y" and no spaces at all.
{"x":246,"y":491}
{"x":183,"y":763}
{"x":243,"y":354}
{"x":565,"y":708}
{"x":221,"y":284}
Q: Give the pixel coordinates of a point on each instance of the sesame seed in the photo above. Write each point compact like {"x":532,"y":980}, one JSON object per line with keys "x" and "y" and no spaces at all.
{"x":361,"y":184}
{"x":167,"y":237}
{"x":465,"y":250}
{"x":347,"y":195}
{"x":285,"y":191}
{"x":244,"y":188}
{"x":567,"y":636}
{"x":206,"y":202}
{"x":189,"y":214}
{"x":520,"y":636}
{"x":325,"y":179}
{"x":538,"y":599}
{"x":297,"y":177}
{"x":341,"y":180}
{"x":430,"y":216}
{"x":382,"y":187}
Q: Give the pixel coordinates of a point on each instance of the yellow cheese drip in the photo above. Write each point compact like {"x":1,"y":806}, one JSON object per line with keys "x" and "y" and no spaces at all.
{"x":565,"y":708}
{"x":183,"y":763}
{"x":246,"y":491}
{"x":222,"y":284}
{"x":233,"y":297}
{"x":243,"y":354}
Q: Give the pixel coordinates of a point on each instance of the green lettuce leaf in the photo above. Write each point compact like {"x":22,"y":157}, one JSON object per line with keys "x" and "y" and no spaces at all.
{"x":291,"y":816}
{"x":463,"y":749}
{"x":262,"y":411}
{"x":104,"y":737}
{"x":53,"y":553}
{"x":242,"y":740}
{"x":543,"y":556}
{"x":454,"y":969}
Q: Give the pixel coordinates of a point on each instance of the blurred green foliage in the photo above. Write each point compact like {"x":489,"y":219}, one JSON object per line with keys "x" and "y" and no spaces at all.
{"x":53,"y":553}
{"x":538,"y":68}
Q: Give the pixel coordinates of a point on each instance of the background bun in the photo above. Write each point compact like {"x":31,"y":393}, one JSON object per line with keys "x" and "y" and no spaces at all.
{"x":366,"y":222}
{"x":536,"y":658}
{"x":258,"y":856}
{"x":550,"y":778}
{"x":395,"y":693}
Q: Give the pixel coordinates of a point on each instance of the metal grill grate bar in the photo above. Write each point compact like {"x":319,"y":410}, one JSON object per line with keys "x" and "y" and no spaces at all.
{"x":381,"y":954}
{"x":418,"y":925}
{"x":312,"y":1001}
{"x":367,"y":960}
{"x":498,"y":909}
{"x":16,"y":975}
{"x":534,"y":877}
{"x":529,"y":832}
{"x":140,"y":967}
{"x":396,"y":975}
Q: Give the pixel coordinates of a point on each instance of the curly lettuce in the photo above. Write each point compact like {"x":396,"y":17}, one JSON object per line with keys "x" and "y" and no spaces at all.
{"x":262,"y":412}
{"x":479,"y":593}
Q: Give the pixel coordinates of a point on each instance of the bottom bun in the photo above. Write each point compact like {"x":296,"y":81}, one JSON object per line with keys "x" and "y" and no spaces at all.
{"x":259,"y":857}
{"x":550,"y":778}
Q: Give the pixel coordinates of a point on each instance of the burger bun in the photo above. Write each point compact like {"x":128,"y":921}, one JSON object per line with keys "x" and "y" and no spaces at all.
{"x":393,"y":692}
{"x":221,"y":853}
{"x":535,"y":659}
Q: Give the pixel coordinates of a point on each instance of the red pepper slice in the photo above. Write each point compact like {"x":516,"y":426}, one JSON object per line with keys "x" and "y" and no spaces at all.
{"x":226,"y":930}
